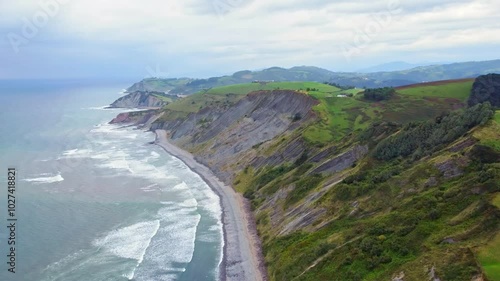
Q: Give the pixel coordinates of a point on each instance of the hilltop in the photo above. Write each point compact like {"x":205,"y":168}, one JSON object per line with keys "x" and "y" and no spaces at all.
{"x":353,"y":184}
{"x":186,"y":86}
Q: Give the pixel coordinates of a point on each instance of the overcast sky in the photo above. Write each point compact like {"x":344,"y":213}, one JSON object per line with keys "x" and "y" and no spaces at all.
{"x":200,"y":38}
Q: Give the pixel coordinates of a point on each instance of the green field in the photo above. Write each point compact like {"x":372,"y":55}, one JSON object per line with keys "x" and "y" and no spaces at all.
{"x":339,"y":115}
{"x":453,"y":89}
{"x":163,"y":98}
{"x":490,"y":259}
{"x":250,"y":87}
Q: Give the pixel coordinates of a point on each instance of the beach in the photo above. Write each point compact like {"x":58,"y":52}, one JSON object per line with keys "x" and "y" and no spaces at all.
{"x":242,"y":258}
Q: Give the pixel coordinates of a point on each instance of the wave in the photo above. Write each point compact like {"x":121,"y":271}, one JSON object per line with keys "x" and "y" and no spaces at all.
{"x":130,"y":242}
{"x":173,"y":247}
{"x":150,"y":188}
{"x":45,"y":178}
{"x":180,"y":186}
{"x":104,"y":107}
{"x":77,"y":153}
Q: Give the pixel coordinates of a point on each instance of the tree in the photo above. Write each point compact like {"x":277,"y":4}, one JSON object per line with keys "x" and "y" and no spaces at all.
{"x":486,"y":88}
{"x":379,"y":94}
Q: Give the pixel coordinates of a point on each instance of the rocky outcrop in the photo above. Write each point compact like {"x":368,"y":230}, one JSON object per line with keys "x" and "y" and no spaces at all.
{"x":229,"y":133}
{"x":343,"y":161}
{"x":453,"y":167}
{"x":141,"y":100}
{"x":139,"y":118}
{"x":290,"y":153}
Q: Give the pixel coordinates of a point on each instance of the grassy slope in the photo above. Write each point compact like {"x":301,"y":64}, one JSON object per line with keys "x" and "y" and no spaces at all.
{"x":341,"y":116}
{"x":490,"y":136}
{"x":456,"y":90}
{"x":489,"y":255}
{"x":399,"y":225}
{"x":344,"y":248}
{"x":444,"y":211}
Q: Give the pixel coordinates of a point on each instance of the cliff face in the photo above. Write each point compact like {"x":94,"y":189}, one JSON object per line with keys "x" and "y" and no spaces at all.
{"x":221,"y":137}
{"x":141,"y":100}
{"x":335,"y":211}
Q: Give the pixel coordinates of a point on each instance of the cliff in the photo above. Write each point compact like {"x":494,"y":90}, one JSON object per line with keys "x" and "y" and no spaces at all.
{"x":220,"y":137}
{"x":340,"y":191}
{"x":143,"y":100}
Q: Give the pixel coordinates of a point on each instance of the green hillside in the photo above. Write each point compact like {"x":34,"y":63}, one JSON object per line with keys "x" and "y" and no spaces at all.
{"x":459,"y":89}
{"x":186,"y":86}
{"x":339,"y":113}
{"x":387,"y":216}
{"x":423,"y":201}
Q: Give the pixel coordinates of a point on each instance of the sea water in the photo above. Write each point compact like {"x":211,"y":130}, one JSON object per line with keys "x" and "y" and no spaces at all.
{"x":96,"y":201}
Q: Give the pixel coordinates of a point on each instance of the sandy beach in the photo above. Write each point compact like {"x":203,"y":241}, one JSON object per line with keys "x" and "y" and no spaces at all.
{"x":243,"y":260}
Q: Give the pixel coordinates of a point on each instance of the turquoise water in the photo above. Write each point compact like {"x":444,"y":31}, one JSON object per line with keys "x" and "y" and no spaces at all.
{"x":96,"y":201}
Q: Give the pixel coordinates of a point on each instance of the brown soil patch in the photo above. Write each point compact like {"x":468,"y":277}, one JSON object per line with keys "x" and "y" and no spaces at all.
{"x":436,"y":83}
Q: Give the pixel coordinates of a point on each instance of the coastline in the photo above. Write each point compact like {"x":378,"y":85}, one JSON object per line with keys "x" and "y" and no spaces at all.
{"x":242,"y":256}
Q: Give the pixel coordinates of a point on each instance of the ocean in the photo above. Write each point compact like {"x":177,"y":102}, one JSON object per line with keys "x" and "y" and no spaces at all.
{"x":95,"y":201}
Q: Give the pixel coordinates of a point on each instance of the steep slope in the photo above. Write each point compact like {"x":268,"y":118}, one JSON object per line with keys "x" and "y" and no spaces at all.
{"x":344,"y":188}
{"x":158,"y":84}
{"x":143,"y":100}
{"x":222,"y":136}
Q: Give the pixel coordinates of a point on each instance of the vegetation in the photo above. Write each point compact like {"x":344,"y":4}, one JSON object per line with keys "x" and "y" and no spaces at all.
{"x":486,"y":88}
{"x":421,"y":139}
{"x":396,"y":212}
{"x":340,"y":86}
{"x":459,"y":89}
{"x":307,"y":73}
{"x":379,"y":94}
{"x":426,"y":197}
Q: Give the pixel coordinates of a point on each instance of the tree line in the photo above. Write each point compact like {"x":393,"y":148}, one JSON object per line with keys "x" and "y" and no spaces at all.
{"x":418,"y":139}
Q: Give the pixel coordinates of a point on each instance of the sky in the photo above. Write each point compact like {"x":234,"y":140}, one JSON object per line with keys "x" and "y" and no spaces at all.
{"x":203,"y":38}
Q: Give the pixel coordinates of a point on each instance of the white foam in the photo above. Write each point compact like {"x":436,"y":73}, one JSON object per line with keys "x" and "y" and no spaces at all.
{"x":150,"y":188}
{"x":189,"y":203}
{"x":104,"y":107}
{"x":180,"y":186}
{"x":130,"y":242}
{"x":102,"y":156}
{"x":174,"y":244}
{"x":117,"y":164}
{"x":45,"y":179}
{"x":77,"y":153}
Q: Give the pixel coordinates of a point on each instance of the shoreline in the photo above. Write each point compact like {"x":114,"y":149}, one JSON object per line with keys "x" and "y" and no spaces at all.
{"x":242,"y":257}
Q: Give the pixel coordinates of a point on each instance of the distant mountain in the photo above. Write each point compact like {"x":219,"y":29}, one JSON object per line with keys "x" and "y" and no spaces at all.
{"x":417,"y":74}
{"x":186,"y":86}
{"x":190,"y":86}
{"x":390,"y":66}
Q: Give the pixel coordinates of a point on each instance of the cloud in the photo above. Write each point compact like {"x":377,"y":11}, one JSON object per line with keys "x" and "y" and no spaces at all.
{"x":213,"y":36}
